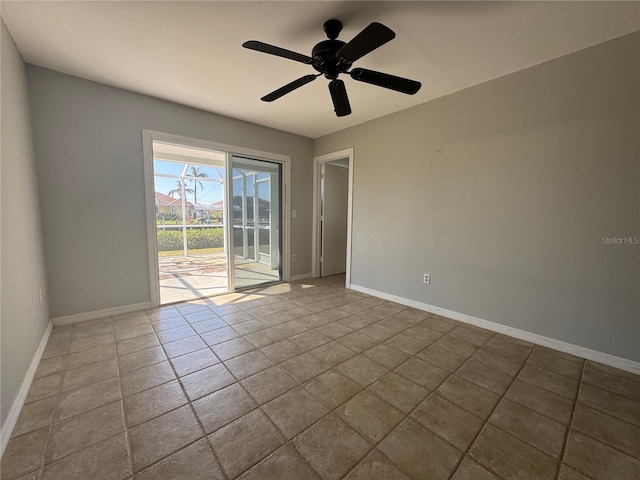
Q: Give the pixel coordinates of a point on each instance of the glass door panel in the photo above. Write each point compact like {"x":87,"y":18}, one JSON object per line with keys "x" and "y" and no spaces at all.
{"x":256,"y":204}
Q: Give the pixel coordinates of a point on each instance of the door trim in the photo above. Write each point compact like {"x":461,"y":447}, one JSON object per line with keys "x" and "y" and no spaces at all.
{"x":315,"y":237}
{"x":148,"y":137}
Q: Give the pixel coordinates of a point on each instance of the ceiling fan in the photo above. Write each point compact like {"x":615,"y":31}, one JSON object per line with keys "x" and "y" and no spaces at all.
{"x":333,"y":57}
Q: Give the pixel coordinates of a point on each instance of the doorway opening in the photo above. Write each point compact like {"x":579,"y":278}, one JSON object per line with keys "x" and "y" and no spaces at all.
{"x":332,"y":196}
{"x":215,"y":219}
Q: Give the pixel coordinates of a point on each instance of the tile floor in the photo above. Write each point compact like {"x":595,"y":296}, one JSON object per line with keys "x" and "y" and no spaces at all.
{"x":312,"y":381}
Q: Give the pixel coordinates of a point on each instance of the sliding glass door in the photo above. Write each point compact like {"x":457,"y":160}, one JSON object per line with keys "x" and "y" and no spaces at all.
{"x":255,"y":200}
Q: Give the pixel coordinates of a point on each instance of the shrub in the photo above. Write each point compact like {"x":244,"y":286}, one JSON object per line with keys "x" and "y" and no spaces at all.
{"x":197,"y":238}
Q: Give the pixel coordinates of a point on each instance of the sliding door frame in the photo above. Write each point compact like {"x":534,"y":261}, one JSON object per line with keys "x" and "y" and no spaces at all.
{"x":148,"y":137}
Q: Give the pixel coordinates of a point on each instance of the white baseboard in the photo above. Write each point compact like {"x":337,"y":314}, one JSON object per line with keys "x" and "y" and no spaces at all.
{"x":296,"y":278}
{"x":107,"y":312}
{"x":18,"y":402}
{"x":583,"y":352}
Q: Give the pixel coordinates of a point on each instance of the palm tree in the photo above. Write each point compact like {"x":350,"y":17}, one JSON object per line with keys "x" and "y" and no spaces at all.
{"x":195,"y":174}
{"x":178,"y":190}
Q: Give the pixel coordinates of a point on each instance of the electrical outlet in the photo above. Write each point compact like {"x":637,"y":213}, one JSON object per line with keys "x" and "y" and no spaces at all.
{"x":293,"y":213}
{"x":293,"y":257}
{"x":426,"y":278}
{"x":40,"y":297}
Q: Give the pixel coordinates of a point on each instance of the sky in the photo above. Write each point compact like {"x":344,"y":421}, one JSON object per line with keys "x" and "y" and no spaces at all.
{"x":209,"y":192}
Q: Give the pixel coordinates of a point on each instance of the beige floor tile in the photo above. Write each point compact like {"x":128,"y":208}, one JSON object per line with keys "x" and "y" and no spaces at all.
{"x":616,"y":382}
{"x":332,"y":388}
{"x":282,"y":350}
{"x":333,"y":353}
{"x":222,"y":407}
{"x":195,"y":462}
{"x":86,"y":398}
{"x":615,"y":433}
{"x":178,"y":333}
{"x":133,"y":331}
{"x":559,"y":384}
{"x":152,"y":403}
{"x":355,"y":322}
{"x":146,"y":377}
{"x":303,"y":367}
{"x":331,"y":447}
{"x":138,"y":343}
{"x":283,"y":464}
{"x":162,"y":436}
{"x":362,"y":370}
{"x":386,"y":356}
{"x":399,"y":392}
{"x":108,"y":460}
{"x":423,"y":373}
{"x":206,"y":381}
{"x":455,"y":344}
{"x":290,"y":328}
{"x":142,"y":358}
{"x":370,"y":416}
{"x":86,"y":343}
{"x":468,"y":395}
{"x":168,"y":323}
{"x":264,"y":337}
{"x":509,"y":347}
{"x":237,"y":317}
{"x":334,"y":330}
{"x":232,"y":348}
{"x":156,"y":314}
{"x":376,"y":466}
{"x":245,"y":442}
{"x":599,"y":461}
{"x":310,"y":339}
{"x":444,"y":359}
{"x":184,"y":346}
{"x":549,"y":360}
{"x":50,"y":366}
{"x":406,"y":343}
{"x":44,"y":387}
{"x":440,"y":324}
{"x":424,"y":334}
{"x":212,"y":323}
{"x":378,"y":332}
{"x":269,"y":384}
{"x":497,"y":362}
{"x":219,"y":335}
{"x":568,"y":473}
{"x":250,"y":326}
{"x":510,"y":458}
{"x":357,"y":341}
{"x":470,"y":470}
{"x":34,"y":416}
{"x":610,"y":403}
{"x":201,"y":316}
{"x":535,"y":429}
{"x":24,"y":454}
{"x":248,"y":364}
{"x":194,"y":361}
{"x":315,"y":320}
{"x":474,"y":335}
{"x":447,"y":420}
{"x":419,"y":452}
{"x":540,"y":400}
{"x":294,"y":411}
{"x":484,"y":376}
{"x":84,"y":430}
{"x":83,"y":376}
{"x":53,"y":350}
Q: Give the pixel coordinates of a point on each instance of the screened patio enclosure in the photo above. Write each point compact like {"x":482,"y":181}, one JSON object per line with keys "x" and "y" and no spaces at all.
{"x":211,"y":239}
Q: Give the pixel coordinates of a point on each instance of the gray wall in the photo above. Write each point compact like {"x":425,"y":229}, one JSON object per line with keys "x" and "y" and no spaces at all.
{"x":88,"y":144}
{"x":503,"y":193}
{"x":23,"y":319}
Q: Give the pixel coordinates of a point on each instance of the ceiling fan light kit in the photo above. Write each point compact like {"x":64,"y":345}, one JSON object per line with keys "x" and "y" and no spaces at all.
{"x":333,"y":57}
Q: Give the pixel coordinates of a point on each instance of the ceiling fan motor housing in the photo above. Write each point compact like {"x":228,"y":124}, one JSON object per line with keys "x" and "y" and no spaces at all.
{"x":326,"y":61}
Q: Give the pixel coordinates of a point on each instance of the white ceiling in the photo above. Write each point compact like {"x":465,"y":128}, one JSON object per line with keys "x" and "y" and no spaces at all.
{"x":190,"y":52}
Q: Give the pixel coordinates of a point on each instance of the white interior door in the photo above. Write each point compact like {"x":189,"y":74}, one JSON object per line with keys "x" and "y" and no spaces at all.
{"x":335,"y":193}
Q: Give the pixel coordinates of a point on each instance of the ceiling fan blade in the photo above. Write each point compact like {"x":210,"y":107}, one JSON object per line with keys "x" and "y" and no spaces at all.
{"x":289,"y":87}
{"x":372,"y":37}
{"x":399,"y":84}
{"x":340,"y":99}
{"x":277,"y":51}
